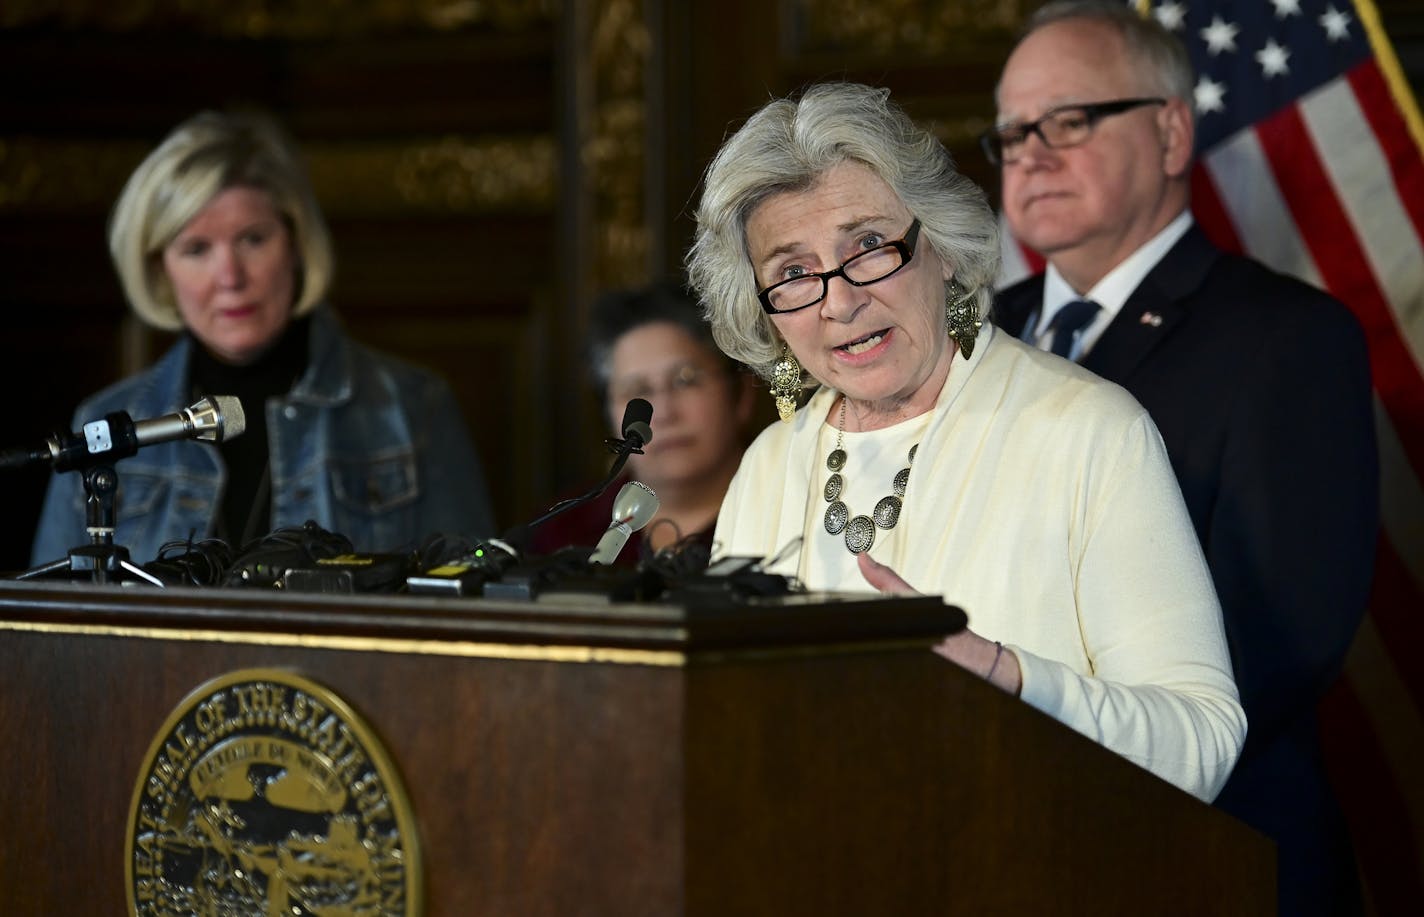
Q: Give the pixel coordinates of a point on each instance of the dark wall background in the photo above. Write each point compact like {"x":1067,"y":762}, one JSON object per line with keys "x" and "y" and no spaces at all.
{"x":435,"y":149}
{"x":486,"y":169}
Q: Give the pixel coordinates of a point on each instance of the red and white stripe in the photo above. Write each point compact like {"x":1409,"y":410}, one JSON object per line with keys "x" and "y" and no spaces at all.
{"x":1016,"y":261}
{"x":1311,"y":192}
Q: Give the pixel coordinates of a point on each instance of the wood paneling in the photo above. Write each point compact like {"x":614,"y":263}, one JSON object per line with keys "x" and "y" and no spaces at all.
{"x":785,"y":758}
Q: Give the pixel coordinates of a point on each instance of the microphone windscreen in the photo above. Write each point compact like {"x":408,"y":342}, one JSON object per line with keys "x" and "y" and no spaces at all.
{"x":637,"y":418}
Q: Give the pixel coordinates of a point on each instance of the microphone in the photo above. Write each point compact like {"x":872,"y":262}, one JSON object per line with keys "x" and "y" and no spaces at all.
{"x":637,"y":433}
{"x":634,"y":508}
{"x":493,"y":565}
{"x":637,"y":424}
{"x":216,"y":418}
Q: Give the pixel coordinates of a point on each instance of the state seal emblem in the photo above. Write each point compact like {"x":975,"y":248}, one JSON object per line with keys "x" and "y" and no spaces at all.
{"x":265,"y":794}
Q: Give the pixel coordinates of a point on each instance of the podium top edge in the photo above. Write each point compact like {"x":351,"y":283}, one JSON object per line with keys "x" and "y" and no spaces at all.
{"x":841,"y":620}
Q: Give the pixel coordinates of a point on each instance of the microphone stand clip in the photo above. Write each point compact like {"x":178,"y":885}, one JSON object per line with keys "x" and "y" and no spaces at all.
{"x":623,"y":448}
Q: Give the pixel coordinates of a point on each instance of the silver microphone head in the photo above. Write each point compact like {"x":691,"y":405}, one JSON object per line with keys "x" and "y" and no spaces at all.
{"x":232,"y":422}
{"x":633,"y":508}
{"x":635,"y":505}
{"x":216,"y":418}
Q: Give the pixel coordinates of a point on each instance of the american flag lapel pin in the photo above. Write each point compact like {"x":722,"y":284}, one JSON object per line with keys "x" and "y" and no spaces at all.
{"x":1151,"y":318}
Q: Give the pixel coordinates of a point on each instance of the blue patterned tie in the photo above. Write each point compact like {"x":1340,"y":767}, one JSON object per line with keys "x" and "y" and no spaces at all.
{"x":1068,"y":321}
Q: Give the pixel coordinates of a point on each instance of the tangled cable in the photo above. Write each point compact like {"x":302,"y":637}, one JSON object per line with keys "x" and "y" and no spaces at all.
{"x":192,"y":563}
{"x":264,"y":560}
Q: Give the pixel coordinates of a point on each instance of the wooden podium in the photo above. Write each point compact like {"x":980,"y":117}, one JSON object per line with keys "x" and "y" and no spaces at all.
{"x":575,"y":756}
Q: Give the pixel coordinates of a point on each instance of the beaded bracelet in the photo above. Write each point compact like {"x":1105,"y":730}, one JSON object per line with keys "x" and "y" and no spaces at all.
{"x":999,"y":651}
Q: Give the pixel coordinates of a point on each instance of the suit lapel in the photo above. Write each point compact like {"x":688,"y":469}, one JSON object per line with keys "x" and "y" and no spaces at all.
{"x":1154,"y":309}
{"x":1014,"y":306}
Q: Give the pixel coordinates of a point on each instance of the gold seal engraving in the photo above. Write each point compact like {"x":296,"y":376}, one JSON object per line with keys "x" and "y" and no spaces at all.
{"x":265,"y":794}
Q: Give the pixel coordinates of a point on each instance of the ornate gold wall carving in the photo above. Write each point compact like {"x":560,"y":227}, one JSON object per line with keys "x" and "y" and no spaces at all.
{"x":19,"y":174}
{"x":454,"y":175}
{"x":279,"y":19}
{"x":897,"y":27}
{"x":612,"y":149}
{"x":63,"y":177}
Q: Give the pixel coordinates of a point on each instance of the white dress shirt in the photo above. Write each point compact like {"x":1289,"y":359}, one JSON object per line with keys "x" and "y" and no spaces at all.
{"x":1110,"y":293}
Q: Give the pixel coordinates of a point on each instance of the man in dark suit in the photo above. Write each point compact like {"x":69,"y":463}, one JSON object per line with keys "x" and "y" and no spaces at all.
{"x":1259,"y":384}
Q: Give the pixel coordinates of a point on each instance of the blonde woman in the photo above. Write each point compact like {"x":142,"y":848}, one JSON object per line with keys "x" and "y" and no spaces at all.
{"x":217,"y":234}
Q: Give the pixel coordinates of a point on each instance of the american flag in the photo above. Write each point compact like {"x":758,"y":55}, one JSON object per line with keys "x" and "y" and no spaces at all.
{"x":1311,"y":159}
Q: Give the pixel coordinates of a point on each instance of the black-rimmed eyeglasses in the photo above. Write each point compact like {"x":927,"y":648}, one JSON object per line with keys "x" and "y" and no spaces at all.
{"x":1059,"y":128}
{"x":865,"y":268}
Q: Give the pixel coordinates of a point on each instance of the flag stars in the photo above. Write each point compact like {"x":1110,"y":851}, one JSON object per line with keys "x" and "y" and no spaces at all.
{"x":1171,"y":15}
{"x":1209,"y":96}
{"x":1336,"y":24}
{"x":1220,"y":36}
{"x":1286,"y":8}
{"x":1272,"y":59}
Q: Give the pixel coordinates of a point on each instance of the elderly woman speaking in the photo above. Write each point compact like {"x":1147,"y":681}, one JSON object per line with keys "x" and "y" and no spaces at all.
{"x":838,"y":250}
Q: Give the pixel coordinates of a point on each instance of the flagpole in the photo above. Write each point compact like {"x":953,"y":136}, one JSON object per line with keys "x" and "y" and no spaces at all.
{"x":1388,"y":64}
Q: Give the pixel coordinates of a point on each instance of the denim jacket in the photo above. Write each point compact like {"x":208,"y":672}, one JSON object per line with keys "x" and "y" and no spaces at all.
{"x":365,"y":445}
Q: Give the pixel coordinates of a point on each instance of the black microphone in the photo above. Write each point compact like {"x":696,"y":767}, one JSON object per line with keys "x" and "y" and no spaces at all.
{"x":637,"y":433}
{"x":217,"y":418}
{"x":634,"y":508}
{"x":637,"y":429}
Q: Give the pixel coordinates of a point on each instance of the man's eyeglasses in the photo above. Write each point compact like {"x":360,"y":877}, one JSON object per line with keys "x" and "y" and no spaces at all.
{"x":1060,"y":128}
{"x":865,"y":268}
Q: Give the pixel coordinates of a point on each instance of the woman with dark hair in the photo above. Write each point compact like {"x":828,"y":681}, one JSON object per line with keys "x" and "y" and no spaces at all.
{"x":654,"y":344}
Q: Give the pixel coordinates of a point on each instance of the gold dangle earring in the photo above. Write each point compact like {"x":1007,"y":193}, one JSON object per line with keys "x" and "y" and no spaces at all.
{"x":786,"y":383}
{"x":961,"y":317}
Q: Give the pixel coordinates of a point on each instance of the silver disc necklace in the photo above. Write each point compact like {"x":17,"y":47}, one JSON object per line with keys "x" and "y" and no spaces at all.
{"x":860,"y":530}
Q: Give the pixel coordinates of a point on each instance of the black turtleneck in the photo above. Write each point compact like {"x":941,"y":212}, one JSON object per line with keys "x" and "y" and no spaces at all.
{"x":247,"y":504}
